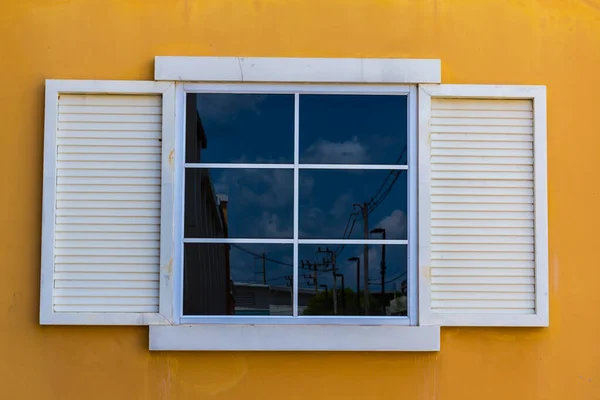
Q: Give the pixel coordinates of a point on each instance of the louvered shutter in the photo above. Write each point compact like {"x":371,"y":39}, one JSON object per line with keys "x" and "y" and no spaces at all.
{"x":482,"y":206}
{"x":106,"y":175}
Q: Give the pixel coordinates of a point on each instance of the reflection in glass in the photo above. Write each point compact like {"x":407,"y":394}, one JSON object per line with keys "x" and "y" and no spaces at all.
{"x":248,"y":203}
{"x":331,"y":203}
{"x":237,"y":279}
{"x":353,"y":129}
{"x":336,"y":276}
{"x":239,"y":128}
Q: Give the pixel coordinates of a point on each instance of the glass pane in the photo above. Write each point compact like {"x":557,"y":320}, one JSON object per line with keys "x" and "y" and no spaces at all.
{"x":237,"y":279}
{"x":240,"y":128}
{"x":331,"y":202}
{"x":353,"y":129}
{"x":331,"y":276}
{"x":248,"y":203}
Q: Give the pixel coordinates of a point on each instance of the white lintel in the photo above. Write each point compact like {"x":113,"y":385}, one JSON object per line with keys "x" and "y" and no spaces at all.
{"x":307,"y":70}
{"x":294,"y":338}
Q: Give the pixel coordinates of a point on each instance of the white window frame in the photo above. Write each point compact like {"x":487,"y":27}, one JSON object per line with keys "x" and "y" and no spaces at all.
{"x":292,"y":333}
{"x":395,"y":90}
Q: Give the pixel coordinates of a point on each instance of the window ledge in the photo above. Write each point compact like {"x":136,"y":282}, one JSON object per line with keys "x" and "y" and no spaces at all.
{"x":294,"y":338}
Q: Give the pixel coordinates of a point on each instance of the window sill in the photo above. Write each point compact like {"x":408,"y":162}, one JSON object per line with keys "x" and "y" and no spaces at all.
{"x":294,"y":338}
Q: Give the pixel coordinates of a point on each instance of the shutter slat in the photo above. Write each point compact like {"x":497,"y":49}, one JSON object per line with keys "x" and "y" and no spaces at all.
{"x":82,"y":293}
{"x":482,"y":239}
{"x":481,"y":207}
{"x":505,"y":130}
{"x":116,"y":118}
{"x":106,"y":284}
{"x":110,"y":100}
{"x":106,"y":259}
{"x":107,"y":215}
{"x":111,"y":110}
{"x":122,"y":149}
{"x":101,"y":180}
{"x":481,"y":215}
{"x":102,"y":300}
{"x":481,"y":104}
{"x":482,"y":183}
{"x":482,"y":272}
{"x":467,"y":289}
{"x":483,"y":231}
{"x":481,"y":160}
{"x":484,"y":304}
{"x":453,"y":113}
{"x":482,"y":121}
{"x":108,"y":212}
{"x":73,"y":205}
{"x":109,"y":173}
{"x":136,"y":268}
{"x":500,"y":263}
{"x":485,"y":295}
{"x":106,"y":276}
{"x":153,"y":135}
{"x":108,"y":244}
{"x":108,"y":142}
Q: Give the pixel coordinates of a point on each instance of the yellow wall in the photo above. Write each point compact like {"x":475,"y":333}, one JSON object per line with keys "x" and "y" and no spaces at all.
{"x":552,"y":42}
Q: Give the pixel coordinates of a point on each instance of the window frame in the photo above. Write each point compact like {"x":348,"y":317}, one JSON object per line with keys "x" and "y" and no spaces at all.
{"x":410,"y":91}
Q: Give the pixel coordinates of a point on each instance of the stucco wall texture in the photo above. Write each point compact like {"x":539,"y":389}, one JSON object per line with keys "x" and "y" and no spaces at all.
{"x":551,"y":42}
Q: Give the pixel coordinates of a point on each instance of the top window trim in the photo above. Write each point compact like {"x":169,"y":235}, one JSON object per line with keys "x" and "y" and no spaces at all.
{"x":313,"y":70}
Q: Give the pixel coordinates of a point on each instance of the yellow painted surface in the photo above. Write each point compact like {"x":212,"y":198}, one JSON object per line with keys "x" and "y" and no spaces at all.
{"x":552,"y":42}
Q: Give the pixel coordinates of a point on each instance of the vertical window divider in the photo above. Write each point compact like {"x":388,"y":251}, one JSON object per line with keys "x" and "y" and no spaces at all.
{"x":295,"y":275}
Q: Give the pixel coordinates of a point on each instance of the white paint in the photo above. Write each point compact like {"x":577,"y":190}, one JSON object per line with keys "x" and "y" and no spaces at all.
{"x":99,"y":265}
{"x":184,"y":88}
{"x":483,"y":206}
{"x":294,"y":338}
{"x":311,"y":70}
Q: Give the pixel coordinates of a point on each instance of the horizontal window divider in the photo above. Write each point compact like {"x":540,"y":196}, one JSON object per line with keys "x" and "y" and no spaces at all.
{"x":238,"y":165}
{"x":354,"y":166}
{"x":352,"y":241}
{"x":290,"y":320}
{"x":238,"y":240}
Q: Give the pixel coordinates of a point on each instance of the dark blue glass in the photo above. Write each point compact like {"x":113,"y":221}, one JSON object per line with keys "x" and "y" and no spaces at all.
{"x":239,"y":203}
{"x":326,"y":270}
{"x":353,"y":129}
{"x":331,"y":203}
{"x":240,"y":128}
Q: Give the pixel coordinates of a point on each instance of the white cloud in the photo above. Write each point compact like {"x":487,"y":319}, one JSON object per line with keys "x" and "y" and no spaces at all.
{"x":347,"y":152}
{"x":394,"y":224}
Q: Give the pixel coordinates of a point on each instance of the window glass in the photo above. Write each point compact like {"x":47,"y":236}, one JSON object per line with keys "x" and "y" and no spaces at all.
{"x":237,"y":279}
{"x":331,"y":203}
{"x":331,"y":276}
{"x":353,"y":129}
{"x":240,"y":128}
{"x":236,"y":202}
{"x":245,"y":229}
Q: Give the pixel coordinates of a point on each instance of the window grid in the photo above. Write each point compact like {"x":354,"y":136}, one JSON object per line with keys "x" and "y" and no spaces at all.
{"x":296,"y":241}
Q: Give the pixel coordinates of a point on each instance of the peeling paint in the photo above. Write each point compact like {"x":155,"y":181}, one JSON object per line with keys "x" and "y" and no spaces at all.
{"x":171,"y":157}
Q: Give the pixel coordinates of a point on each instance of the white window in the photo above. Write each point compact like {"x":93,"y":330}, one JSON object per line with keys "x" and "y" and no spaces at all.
{"x":296,"y":204}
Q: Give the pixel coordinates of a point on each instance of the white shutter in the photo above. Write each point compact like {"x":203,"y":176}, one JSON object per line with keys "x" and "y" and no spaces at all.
{"x":482,"y":206}
{"x":103,"y":188}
